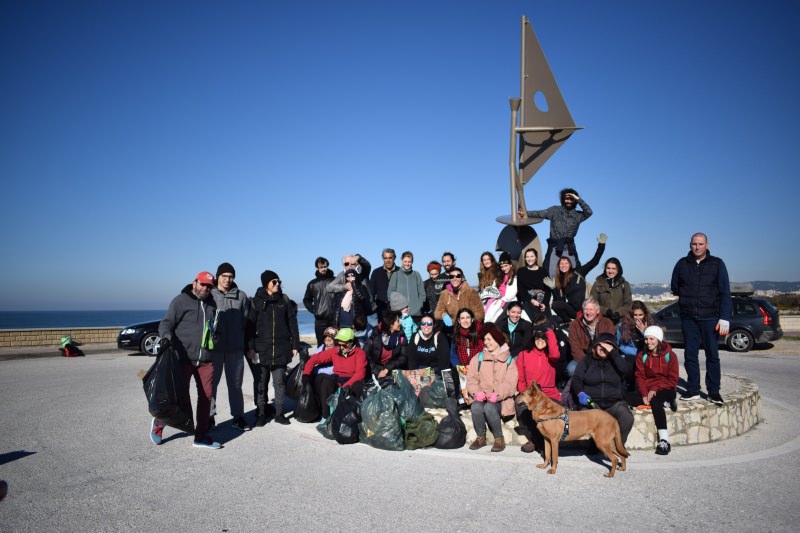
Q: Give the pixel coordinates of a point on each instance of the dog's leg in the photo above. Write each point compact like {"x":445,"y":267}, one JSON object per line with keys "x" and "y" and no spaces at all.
{"x":606,"y":447}
{"x":554,"y":452}
{"x":546,"y":462}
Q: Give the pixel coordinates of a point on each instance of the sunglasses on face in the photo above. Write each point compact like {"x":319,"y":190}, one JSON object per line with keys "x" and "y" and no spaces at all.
{"x":456,"y":276}
{"x":425,"y":323}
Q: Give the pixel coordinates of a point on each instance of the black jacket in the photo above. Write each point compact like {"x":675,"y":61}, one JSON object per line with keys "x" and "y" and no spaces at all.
{"x":520,"y":339}
{"x":374,"y":349}
{"x":434,"y":352}
{"x":703,"y":289}
{"x":276,"y":334}
{"x":601,"y":378}
{"x":317,"y":300}
{"x":379,"y":284}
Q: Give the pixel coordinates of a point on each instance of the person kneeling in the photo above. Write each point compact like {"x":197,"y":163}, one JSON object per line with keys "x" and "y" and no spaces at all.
{"x":492,"y":384}
{"x":657,"y":379}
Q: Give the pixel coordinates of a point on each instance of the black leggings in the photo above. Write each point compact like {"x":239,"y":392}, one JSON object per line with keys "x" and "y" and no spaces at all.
{"x":565,"y":311}
{"x":657,"y":406}
{"x":326,"y":384}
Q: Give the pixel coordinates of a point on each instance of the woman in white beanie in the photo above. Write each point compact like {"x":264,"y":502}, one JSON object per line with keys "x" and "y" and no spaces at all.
{"x":657,"y":379}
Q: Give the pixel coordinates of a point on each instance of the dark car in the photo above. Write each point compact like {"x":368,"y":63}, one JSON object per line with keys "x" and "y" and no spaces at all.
{"x":754,"y":320}
{"x":142,"y":337}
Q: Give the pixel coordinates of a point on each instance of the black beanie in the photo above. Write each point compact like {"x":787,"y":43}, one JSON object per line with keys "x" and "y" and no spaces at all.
{"x":267,"y":276}
{"x":226,"y":268}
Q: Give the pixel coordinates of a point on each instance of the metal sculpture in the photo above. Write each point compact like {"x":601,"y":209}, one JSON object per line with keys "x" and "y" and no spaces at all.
{"x":540,"y":124}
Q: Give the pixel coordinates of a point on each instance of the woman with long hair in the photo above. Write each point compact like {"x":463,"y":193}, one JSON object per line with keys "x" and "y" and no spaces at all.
{"x":569,"y":291}
{"x":611,"y":291}
{"x":507,"y":288}
{"x":385,"y":347}
{"x":630,"y":332}
{"x":532,"y":291}
{"x":488,"y":272}
{"x":467,"y":342}
{"x":657,"y":379}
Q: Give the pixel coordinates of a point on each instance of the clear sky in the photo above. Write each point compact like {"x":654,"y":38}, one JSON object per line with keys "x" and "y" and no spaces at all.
{"x":142,"y":142}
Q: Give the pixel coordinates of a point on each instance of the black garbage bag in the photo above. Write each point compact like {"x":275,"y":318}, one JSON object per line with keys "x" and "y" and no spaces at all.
{"x":421,"y":432}
{"x":294,"y":381}
{"x":345,"y":418}
{"x":324,"y":427}
{"x":380,"y":425}
{"x":307,"y":408}
{"x":433,"y":396}
{"x":452,"y":431}
{"x":404,"y":395}
{"x":167,"y":391}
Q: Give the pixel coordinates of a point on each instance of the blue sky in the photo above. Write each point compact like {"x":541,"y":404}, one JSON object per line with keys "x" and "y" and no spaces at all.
{"x":143,"y":142}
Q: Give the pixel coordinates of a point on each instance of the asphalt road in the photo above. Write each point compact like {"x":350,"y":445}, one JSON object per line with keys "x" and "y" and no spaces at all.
{"x":76,"y":453}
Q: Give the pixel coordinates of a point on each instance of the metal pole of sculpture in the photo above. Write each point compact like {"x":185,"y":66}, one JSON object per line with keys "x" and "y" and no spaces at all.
{"x":538,"y":129}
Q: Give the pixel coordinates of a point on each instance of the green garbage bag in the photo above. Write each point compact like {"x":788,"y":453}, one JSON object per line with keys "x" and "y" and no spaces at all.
{"x":404,"y":395}
{"x":421,"y":432}
{"x":380,"y":425}
{"x":433,"y":396}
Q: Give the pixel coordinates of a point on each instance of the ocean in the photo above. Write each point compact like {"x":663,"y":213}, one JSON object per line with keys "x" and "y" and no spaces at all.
{"x":102,"y":319}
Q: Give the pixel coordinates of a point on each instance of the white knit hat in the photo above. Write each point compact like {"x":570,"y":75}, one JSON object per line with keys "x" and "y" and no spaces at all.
{"x":654,"y":331}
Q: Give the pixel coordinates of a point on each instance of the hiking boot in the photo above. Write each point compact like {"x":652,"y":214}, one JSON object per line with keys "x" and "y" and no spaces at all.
{"x":690,"y":395}
{"x":156,"y":430}
{"x":528,"y":447}
{"x":207,"y":443}
{"x":663,"y":447}
{"x":282,"y":420}
{"x":716,"y":399}
{"x":478,"y":443}
{"x":240,"y":424}
{"x":261,"y":421}
{"x":499,"y":444}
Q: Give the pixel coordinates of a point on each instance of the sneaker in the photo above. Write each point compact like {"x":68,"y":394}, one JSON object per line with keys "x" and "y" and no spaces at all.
{"x":716,"y":399}
{"x":240,"y":424}
{"x":261,"y":421}
{"x":207,"y":443}
{"x":528,"y":447}
{"x":690,"y":395}
{"x":663,"y":447}
{"x":156,"y":430}
{"x":282,"y":420}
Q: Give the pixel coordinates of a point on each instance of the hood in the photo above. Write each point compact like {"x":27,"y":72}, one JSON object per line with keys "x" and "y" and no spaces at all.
{"x":500,"y":355}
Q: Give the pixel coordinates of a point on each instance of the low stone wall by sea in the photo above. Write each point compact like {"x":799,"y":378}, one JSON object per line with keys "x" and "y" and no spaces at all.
{"x":52,"y":337}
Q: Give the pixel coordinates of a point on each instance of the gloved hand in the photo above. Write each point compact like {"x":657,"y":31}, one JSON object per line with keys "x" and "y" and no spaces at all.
{"x":306,"y":379}
{"x":480,"y":397}
{"x":447,"y":320}
{"x":723,"y":326}
{"x":550,"y":282}
{"x":602,"y":238}
{"x":493,"y":397}
{"x":584,"y":399}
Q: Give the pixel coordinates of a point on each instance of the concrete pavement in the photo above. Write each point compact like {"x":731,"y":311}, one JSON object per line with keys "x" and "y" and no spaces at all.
{"x":76,"y":453}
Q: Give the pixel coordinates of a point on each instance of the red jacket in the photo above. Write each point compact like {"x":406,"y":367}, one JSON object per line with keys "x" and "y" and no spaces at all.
{"x":354,"y":366}
{"x":535,"y":365}
{"x":655,"y":373}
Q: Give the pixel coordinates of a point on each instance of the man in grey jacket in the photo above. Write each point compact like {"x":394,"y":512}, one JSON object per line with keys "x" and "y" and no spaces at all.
{"x":232,"y":312}
{"x":189,"y":328}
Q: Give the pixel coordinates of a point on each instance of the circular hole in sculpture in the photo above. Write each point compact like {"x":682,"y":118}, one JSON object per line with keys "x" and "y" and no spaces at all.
{"x":541,"y":101}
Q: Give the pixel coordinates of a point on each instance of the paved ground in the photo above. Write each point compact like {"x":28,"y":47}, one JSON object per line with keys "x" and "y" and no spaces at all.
{"x":76,"y":453}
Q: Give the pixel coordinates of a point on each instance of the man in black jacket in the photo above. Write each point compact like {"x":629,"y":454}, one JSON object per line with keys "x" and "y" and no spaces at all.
{"x":700,"y":281}
{"x":319,"y":301}
{"x":379,"y":280}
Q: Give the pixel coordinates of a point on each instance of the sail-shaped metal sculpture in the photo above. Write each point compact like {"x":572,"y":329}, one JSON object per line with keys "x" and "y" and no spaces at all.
{"x":540,"y":124}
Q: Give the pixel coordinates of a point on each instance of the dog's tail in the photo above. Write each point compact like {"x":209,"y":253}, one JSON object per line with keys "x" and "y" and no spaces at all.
{"x":621,"y":451}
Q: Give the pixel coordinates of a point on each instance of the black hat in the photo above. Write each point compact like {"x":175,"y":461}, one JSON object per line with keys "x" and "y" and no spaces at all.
{"x":609,"y":338}
{"x":505,"y":257}
{"x":226,"y":268}
{"x":267,"y":276}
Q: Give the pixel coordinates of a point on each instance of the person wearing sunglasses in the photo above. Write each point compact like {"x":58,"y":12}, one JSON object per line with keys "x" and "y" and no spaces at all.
{"x":456,"y":295}
{"x":276,"y":342}
{"x":429,"y":347}
{"x":354,"y":264}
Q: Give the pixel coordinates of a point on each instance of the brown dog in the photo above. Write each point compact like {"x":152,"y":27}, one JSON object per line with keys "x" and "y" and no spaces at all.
{"x":548,"y":416}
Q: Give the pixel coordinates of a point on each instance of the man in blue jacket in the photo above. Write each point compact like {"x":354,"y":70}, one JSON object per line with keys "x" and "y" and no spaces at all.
{"x":700,"y":281}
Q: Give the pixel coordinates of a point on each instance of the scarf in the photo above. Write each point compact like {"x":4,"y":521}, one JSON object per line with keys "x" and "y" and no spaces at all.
{"x":466,"y":348}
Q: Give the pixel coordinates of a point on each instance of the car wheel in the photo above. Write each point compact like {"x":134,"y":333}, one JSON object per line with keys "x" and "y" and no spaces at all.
{"x":151,"y":344}
{"x":739,"y":341}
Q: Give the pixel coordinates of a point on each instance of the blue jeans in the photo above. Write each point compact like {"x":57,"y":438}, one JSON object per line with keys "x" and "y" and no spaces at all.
{"x":695,"y":332}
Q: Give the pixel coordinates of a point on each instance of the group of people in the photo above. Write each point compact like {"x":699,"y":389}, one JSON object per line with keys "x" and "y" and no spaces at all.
{"x":588,"y":348}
